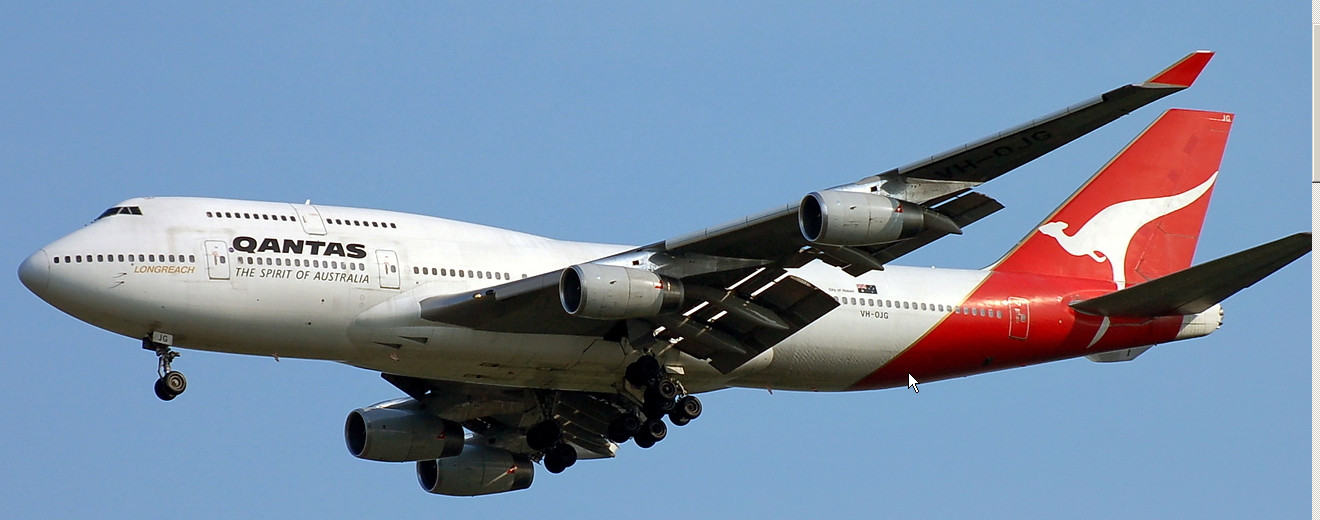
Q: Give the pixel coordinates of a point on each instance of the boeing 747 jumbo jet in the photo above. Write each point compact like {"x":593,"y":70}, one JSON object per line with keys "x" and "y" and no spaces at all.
{"x":514,"y":349}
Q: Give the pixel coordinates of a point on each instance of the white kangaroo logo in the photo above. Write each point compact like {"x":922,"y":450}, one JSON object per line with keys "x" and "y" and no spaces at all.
{"x":1107,"y":235}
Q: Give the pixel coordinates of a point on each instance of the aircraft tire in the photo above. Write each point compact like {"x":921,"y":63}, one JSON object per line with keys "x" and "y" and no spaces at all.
{"x":162,"y":391}
{"x":541,"y":436}
{"x":175,"y":383}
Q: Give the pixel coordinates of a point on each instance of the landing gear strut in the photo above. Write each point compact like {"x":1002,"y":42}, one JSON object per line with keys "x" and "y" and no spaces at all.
{"x":171,"y":382}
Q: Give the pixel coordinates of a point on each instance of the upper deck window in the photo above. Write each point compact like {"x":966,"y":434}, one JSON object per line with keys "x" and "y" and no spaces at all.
{"x":120,"y":210}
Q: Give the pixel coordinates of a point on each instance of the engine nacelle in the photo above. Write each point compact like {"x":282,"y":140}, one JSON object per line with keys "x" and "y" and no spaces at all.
{"x":610,"y":292}
{"x":479,"y":470}
{"x":400,"y":431}
{"x":848,"y":218}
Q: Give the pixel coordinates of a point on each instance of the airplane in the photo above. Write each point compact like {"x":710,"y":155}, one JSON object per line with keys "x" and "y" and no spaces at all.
{"x":515,"y":350}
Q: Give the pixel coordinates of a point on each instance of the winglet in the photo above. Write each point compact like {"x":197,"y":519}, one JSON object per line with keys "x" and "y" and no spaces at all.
{"x":1183,"y":73}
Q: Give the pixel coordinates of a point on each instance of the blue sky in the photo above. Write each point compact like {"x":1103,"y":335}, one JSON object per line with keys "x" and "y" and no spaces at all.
{"x":629,"y":124}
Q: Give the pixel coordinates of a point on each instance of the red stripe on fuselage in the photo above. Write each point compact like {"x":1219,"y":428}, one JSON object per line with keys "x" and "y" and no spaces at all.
{"x":965,"y":344}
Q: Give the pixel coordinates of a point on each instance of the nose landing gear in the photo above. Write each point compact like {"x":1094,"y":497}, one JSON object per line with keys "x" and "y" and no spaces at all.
{"x":171,"y":382}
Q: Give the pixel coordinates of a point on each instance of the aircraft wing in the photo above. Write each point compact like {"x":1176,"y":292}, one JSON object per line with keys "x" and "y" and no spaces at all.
{"x":740,"y":300}
{"x":938,"y":181}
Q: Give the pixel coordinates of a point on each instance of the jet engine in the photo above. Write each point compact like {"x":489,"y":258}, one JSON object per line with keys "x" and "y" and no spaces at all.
{"x":479,"y":470}
{"x":609,"y":292}
{"x":848,"y":218}
{"x":400,"y":431}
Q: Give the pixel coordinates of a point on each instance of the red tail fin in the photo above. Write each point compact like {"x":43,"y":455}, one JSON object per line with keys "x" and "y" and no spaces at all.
{"x":1139,"y":217}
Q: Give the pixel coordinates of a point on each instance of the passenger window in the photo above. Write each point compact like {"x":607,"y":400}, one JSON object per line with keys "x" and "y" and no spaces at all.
{"x":375,"y":224}
{"x":57,"y":259}
{"x":99,"y":258}
{"x":999,"y":315}
{"x":208,"y":214}
{"x":192,"y":259}
{"x":151,"y":258}
{"x":392,"y":225}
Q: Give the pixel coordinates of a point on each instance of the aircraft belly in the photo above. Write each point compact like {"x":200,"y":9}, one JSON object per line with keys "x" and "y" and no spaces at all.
{"x":532,"y":360}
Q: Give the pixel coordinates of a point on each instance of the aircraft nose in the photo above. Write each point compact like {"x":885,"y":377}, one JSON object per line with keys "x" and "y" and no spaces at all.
{"x":35,"y":272}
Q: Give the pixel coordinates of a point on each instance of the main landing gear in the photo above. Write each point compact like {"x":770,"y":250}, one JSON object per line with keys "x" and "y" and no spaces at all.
{"x":660,"y":398}
{"x":546,"y":437}
{"x":171,"y":383}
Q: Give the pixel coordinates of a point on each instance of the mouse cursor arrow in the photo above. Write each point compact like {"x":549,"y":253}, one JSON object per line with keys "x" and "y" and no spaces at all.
{"x":912,"y":383}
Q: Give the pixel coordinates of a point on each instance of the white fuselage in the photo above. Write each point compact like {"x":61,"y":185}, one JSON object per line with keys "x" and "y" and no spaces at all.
{"x":343,"y":284}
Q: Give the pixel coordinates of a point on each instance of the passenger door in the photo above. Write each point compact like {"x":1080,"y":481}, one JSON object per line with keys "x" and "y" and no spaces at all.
{"x":217,"y":260}
{"x":389,"y":268}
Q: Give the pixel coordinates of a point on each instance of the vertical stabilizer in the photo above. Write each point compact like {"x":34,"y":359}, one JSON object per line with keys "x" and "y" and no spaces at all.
{"x":1139,"y":217}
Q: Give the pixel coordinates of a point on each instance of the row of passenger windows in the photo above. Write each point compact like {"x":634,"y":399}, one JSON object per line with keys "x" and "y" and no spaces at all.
{"x":288,"y":218}
{"x":937,"y":307}
{"x":78,"y":259}
{"x":363,"y":223}
{"x":299,"y":262}
{"x":460,"y":273}
{"x":250,"y":216}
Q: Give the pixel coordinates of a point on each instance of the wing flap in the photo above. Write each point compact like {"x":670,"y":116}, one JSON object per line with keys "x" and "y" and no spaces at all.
{"x":1197,"y":288}
{"x":730,"y":339}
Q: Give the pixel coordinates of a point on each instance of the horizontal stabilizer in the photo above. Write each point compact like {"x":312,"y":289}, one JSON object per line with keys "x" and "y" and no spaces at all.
{"x":1197,"y":288}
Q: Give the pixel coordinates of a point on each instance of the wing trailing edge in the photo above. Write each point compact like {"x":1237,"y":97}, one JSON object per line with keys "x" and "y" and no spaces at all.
{"x":1197,"y":288}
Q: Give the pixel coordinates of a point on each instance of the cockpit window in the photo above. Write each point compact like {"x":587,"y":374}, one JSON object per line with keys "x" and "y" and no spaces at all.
{"x":120,"y":210}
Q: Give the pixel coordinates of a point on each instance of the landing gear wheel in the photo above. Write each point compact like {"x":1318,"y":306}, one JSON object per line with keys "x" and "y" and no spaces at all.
{"x":666,"y":389}
{"x":553,"y":465}
{"x":175,"y":383}
{"x":644,"y":441}
{"x":565,"y":453}
{"x":689,"y":407}
{"x":163,"y":391}
{"x":653,"y":430}
{"x":543,"y":435}
{"x":659,"y":398}
{"x":560,"y":457}
{"x":624,"y":427}
{"x":642,"y":372}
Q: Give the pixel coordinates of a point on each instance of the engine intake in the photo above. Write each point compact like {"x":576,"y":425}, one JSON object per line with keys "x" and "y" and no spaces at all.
{"x":400,"y":431}
{"x":479,"y":470}
{"x":848,"y":218}
{"x":610,"y":292}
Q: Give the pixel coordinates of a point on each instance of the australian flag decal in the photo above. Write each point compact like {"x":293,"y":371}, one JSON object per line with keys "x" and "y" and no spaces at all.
{"x":865,"y":289}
